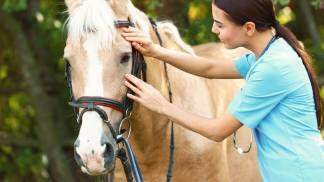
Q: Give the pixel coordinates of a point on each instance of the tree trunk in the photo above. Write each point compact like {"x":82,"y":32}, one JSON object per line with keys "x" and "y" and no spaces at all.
{"x":48,"y":140}
{"x":306,"y":12}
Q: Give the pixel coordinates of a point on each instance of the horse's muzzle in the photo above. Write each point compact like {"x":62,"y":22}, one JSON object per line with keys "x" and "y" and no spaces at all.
{"x":98,"y":161}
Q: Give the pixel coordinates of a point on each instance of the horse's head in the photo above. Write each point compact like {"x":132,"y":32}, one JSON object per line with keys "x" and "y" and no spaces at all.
{"x":98,"y":58}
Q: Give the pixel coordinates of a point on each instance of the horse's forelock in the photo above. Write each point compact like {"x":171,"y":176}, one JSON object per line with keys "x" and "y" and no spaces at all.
{"x":90,"y":17}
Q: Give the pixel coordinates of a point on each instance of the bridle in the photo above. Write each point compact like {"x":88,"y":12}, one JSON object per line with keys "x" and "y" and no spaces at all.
{"x":92,"y":103}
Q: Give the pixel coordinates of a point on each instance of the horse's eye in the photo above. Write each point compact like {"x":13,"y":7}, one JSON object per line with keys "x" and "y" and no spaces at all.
{"x":125,"y":57}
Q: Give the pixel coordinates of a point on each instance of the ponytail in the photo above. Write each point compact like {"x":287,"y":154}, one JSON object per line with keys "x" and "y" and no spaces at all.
{"x":285,"y":33}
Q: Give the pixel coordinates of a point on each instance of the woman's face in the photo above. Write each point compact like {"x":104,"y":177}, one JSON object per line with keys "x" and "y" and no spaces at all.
{"x":229,"y":33}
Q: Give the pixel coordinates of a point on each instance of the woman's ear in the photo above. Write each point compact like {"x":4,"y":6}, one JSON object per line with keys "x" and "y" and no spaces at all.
{"x":249,"y":28}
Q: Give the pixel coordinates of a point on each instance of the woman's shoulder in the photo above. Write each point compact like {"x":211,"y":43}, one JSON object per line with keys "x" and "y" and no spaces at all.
{"x":283,"y":64}
{"x":282,"y":56}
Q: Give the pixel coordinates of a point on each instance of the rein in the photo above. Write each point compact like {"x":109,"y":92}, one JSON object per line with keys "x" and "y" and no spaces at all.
{"x":172,"y":145}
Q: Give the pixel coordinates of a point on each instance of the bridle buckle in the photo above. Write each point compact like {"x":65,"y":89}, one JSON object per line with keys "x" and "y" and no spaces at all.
{"x":91,"y":106}
{"x":127,"y":119}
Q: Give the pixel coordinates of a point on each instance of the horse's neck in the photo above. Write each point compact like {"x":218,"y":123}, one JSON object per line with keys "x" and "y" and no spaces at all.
{"x":152,"y":130}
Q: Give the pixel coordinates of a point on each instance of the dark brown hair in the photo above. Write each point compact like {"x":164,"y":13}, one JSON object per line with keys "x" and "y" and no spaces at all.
{"x":262,"y":13}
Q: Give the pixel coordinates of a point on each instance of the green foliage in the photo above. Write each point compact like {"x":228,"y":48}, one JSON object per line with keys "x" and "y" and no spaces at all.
{"x":150,"y":6}
{"x":14,"y":5}
{"x":17,"y":114}
{"x":200,"y":23}
{"x":20,"y":164}
{"x":317,"y":3}
{"x":282,"y":2}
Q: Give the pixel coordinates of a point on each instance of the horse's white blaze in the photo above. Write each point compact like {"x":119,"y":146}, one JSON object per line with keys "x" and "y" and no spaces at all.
{"x":90,"y":132}
{"x":94,"y":82}
{"x":90,"y":148}
{"x":91,"y":129}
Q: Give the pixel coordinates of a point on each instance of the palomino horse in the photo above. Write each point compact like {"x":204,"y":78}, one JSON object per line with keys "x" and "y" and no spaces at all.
{"x":99,"y":58}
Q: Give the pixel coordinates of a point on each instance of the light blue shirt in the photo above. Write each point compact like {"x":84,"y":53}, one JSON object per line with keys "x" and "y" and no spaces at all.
{"x":277,"y":103}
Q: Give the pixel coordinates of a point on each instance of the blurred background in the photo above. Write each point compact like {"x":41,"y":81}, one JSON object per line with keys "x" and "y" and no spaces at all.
{"x":37,"y":127}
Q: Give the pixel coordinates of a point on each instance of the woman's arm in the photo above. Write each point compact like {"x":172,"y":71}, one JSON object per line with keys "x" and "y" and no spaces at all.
{"x":215,"y":129}
{"x":204,"y":67}
{"x":214,"y":69}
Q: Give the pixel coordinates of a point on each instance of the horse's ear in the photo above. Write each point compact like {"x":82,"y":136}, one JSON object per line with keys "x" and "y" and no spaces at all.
{"x":119,"y":1}
{"x":119,"y":6}
{"x":69,"y":3}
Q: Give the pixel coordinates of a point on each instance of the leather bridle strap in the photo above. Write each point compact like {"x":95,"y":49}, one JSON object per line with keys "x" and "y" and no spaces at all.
{"x":94,"y":102}
{"x":121,"y":24}
{"x":138,"y":70}
{"x":172,"y":143}
{"x":137,"y":174}
{"x":121,"y":154}
{"x":138,"y":66}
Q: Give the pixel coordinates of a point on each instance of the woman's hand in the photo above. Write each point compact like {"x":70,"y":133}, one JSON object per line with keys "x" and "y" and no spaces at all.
{"x":146,"y":94}
{"x":140,"y":41}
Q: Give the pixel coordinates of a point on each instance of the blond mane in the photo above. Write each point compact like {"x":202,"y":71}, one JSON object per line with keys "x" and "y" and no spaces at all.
{"x":172,"y":32}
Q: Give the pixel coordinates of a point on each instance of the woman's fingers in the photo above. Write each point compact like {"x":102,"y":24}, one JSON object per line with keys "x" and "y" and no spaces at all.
{"x":137,"y":82}
{"x":137,"y":88}
{"x":135,"y":98}
{"x":133,"y":34}
{"x":133,"y":88}
{"x":139,"y":47}
{"x":142,"y":40}
{"x":139,"y":40}
{"x":148,"y":97}
{"x":129,"y":29}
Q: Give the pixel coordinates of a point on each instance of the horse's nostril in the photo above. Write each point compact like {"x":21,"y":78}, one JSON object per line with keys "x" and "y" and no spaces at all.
{"x":77,"y":158}
{"x":108,"y":154}
{"x":76,"y":143}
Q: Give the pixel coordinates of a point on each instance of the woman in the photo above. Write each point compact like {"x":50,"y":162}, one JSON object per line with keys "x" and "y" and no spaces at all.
{"x":280,"y":100}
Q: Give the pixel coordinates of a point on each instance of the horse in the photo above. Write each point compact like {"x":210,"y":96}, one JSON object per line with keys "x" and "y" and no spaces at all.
{"x":99,"y":58}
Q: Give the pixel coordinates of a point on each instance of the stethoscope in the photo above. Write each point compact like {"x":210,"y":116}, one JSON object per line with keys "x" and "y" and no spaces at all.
{"x":239,"y":149}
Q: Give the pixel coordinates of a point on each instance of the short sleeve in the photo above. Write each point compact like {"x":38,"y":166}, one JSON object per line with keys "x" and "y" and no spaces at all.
{"x":263,"y":91}
{"x":244,"y":63}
